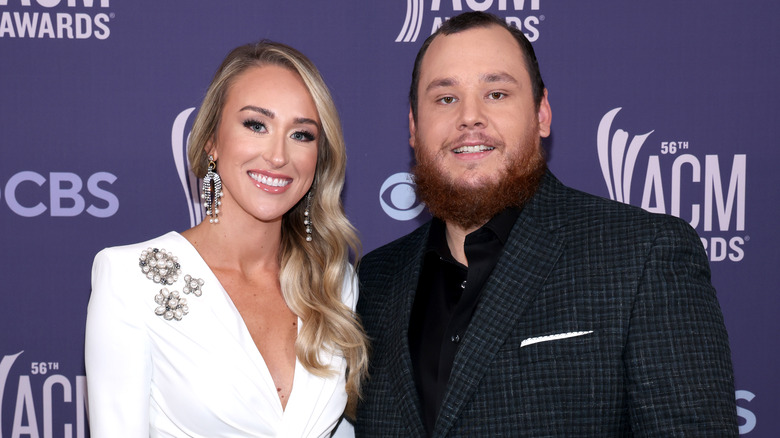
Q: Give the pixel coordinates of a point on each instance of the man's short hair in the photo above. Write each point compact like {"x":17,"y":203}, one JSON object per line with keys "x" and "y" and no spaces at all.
{"x":471,"y":20}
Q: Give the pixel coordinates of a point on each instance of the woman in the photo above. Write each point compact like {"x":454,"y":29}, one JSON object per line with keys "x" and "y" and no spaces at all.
{"x":242,"y":325}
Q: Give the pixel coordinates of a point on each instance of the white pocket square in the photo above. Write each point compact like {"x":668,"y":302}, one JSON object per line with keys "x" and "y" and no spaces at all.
{"x":554,"y":337}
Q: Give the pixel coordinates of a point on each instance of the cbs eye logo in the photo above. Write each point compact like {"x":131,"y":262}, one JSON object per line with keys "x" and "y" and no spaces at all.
{"x":398,"y":199}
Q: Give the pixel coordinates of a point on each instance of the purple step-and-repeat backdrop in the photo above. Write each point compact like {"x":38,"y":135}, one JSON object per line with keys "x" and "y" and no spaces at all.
{"x":665,"y":105}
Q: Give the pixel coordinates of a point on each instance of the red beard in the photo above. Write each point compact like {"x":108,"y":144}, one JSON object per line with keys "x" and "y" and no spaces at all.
{"x":471,"y":206}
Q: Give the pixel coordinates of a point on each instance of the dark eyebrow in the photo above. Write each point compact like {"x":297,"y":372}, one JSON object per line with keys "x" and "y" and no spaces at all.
{"x":266,"y":112}
{"x":440,"y":83}
{"x":487,"y":78}
{"x":498,"y":77}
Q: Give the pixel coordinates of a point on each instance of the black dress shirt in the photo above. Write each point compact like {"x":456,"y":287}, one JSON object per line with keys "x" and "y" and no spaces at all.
{"x":447,"y":295}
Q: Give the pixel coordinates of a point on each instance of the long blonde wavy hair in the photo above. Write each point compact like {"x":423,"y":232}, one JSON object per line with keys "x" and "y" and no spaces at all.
{"x":312,"y":273}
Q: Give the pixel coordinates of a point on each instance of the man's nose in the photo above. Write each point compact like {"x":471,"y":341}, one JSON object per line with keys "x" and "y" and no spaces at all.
{"x":472,"y":113}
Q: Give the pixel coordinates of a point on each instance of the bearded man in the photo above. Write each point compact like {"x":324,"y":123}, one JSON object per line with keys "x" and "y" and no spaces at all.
{"x":526,"y":308}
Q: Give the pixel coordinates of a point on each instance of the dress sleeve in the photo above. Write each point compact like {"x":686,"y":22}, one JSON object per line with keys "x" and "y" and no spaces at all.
{"x":117,"y":354}
{"x":678,"y":362}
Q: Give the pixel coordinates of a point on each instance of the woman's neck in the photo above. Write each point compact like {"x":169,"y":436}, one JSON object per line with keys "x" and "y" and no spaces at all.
{"x":234,"y":245}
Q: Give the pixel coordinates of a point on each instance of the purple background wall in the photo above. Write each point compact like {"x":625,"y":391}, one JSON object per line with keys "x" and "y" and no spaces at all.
{"x":90,"y":92}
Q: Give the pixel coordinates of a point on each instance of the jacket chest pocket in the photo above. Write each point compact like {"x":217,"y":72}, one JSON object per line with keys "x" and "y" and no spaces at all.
{"x":564,"y":346}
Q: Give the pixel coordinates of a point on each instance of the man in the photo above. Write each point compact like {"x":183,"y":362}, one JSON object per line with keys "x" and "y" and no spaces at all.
{"x":526,"y":308}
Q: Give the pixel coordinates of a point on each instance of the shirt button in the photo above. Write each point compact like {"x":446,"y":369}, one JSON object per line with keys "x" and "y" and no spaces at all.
{"x":463,"y":285}
{"x":455,"y":339}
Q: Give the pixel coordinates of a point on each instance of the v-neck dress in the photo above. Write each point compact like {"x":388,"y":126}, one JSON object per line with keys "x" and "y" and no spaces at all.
{"x":201,"y":376}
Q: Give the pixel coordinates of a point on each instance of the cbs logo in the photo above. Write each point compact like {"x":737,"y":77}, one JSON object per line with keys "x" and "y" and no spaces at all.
{"x":65,"y":194}
{"x":397,"y":197}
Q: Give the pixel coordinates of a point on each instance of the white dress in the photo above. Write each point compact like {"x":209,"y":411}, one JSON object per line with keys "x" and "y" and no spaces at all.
{"x":201,"y":376}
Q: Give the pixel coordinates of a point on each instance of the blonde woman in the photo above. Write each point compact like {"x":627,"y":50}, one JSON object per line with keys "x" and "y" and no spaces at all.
{"x":243,"y":325}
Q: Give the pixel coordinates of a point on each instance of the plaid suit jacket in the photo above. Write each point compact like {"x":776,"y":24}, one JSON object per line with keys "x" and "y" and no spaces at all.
{"x":599,"y":320}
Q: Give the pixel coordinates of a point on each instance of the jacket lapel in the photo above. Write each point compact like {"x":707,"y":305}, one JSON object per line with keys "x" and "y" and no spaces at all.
{"x":528,"y":258}
{"x":405,"y":397}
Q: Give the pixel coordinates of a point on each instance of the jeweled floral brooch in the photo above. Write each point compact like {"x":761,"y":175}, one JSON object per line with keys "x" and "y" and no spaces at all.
{"x":192,"y":285}
{"x":163,"y":267}
{"x":160,"y":266}
{"x":170,"y":305}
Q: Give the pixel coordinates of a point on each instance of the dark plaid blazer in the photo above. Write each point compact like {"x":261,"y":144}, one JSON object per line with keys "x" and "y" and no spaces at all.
{"x":650,"y":356}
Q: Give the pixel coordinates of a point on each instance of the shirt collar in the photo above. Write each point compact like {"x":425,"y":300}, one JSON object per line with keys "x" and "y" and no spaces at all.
{"x":499,"y":225}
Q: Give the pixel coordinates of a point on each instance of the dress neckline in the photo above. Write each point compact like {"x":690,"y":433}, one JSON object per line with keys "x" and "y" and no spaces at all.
{"x":249,"y":347}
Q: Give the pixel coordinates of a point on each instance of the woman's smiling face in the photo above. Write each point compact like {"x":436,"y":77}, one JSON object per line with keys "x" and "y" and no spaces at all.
{"x":266,"y":143}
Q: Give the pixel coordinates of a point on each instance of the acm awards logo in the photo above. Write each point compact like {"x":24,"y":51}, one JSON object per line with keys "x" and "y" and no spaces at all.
{"x":417,"y":18}
{"x":47,"y":403}
{"x":55,"y":19}
{"x":189,"y":182}
{"x":715,"y":205}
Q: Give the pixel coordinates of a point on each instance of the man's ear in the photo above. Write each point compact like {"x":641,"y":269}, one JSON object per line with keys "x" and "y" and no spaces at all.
{"x":412,"y":129}
{"x":544,"y":116}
